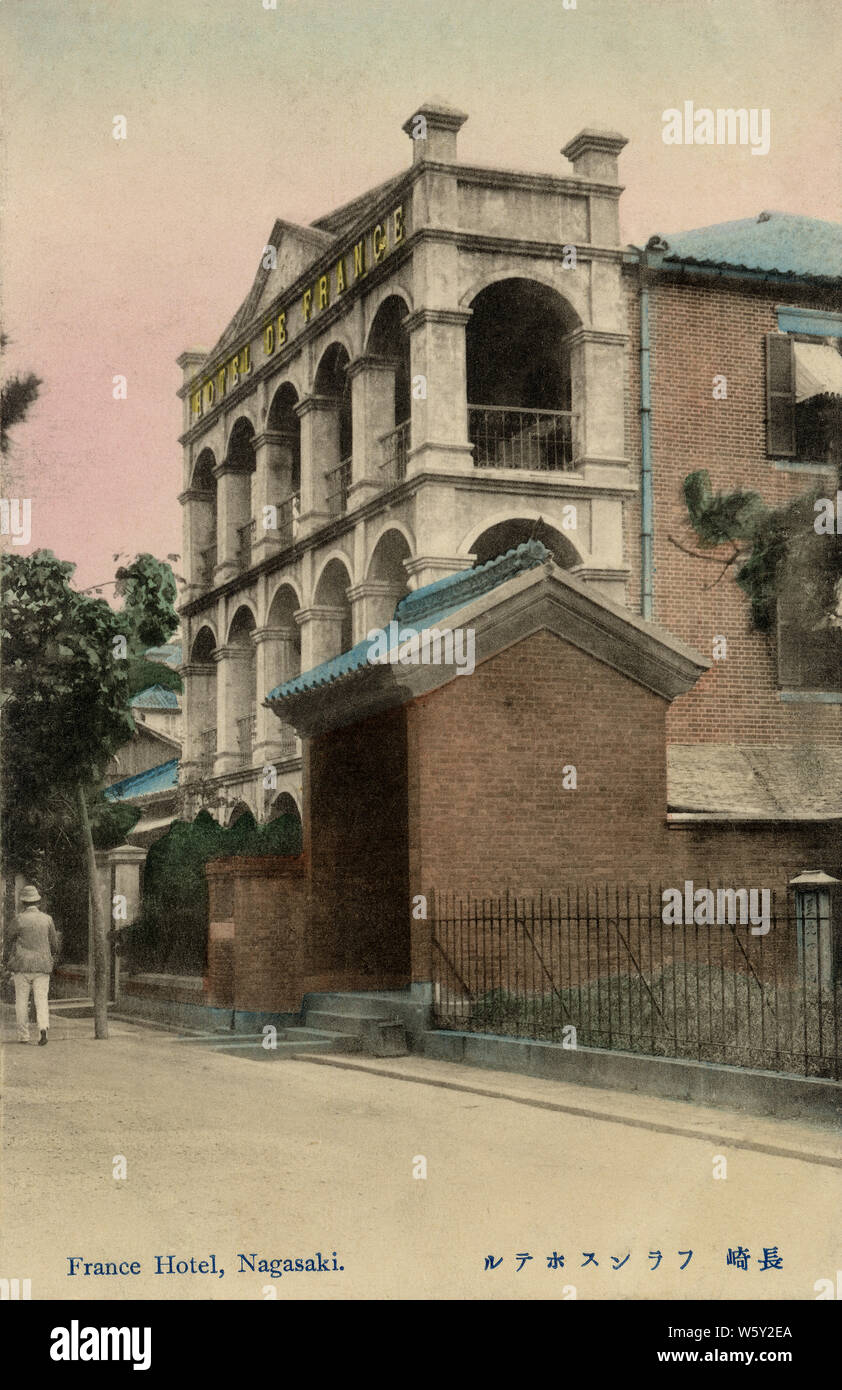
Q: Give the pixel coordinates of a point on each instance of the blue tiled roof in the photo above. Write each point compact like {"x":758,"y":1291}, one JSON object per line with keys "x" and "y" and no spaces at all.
{"x":169,"y":654}
{"x":155,"y":697}
{"x":423,"y":609}
{"x":773,"y":242}
{"x":162,"y":778}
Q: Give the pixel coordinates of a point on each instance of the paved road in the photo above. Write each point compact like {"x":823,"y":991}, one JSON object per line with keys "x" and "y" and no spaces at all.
{"x":228,"y":1156}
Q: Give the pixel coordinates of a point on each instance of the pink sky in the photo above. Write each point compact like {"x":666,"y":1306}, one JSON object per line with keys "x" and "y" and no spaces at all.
{"x":118,"y":255}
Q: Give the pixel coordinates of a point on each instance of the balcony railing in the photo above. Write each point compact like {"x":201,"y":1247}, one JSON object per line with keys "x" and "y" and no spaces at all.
{"x":246,"y":731}
{"x":338,"y":482}
{"x":509,"y":437}
{"x":288,"y":513}
{"x":288,"y":742}
{"x":394,"y":448}
{"x":207,"y":565}
{"x":245,"y":540}
{"x":207,"y":751}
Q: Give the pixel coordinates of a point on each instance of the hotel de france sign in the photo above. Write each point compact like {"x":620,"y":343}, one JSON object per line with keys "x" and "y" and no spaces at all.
{"x":352,"y":266}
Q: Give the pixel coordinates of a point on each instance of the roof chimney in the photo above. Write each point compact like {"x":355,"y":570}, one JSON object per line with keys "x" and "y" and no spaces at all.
{"x":593,"y":154}
{"x":433,"y":128}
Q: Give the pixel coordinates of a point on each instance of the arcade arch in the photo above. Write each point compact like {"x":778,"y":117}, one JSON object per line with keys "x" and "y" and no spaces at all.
{"x":519,"y":376}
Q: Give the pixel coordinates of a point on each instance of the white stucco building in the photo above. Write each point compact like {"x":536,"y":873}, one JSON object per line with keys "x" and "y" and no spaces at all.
{"x":415,"y":383}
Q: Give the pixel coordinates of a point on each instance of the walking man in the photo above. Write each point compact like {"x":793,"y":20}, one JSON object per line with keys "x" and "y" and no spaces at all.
{"x":31,"y":949}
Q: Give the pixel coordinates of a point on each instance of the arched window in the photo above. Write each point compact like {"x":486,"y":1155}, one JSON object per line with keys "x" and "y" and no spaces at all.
{"x":334,"y":384}
{"x":520,"y":407}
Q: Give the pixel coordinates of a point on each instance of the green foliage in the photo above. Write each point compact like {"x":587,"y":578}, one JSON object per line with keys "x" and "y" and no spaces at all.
{"x":16,"y":396}
{"x":148,"y":589}
{"x":171,"y":933}
{"x":718,"y":517}
{"x":65,"y":693}
{"x":141,"y":673}
{"x":111,"y":822}
{"x":775,"y":540}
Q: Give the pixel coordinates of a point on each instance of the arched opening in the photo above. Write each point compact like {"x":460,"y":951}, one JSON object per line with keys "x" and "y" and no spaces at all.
{"x":284,"y":805}
{"x":200,"y":699}
{"x":505,"y":535}
{"x":241,"y":687}
{"x":334,"y":632}
{"x":333,"y":384}
{"x":239,"y":810}
{"x":283,"y":662}
{"x":283,"y":488}
{"x":240,"y":464}
{"x":387,"y":578}
{"x":203,"y":519}
{"x":388,"y":341}
{"x":519,"y":377}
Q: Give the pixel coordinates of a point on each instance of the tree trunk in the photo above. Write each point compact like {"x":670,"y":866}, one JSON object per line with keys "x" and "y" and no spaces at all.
{"x":100,"y":924}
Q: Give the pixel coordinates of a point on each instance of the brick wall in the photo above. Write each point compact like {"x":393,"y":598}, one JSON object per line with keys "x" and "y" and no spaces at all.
{"x":698,"y":330}
{"x":258,"y":915}
{"x":356,"y":828}
{"x":487,"y":809}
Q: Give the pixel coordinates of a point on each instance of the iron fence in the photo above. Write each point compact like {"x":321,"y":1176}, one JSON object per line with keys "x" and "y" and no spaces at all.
{"x":246,"y":733}
{"x":338,"y":482}
{"x":394,"y":448}
{"x":509,"y":437}
{"x":288,"y":742}
{"x":288,"y":513}
{"x":598,"y":967}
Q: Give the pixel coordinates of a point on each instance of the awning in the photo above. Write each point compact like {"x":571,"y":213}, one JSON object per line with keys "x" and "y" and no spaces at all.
{"x":144,"y":828}
{"x":818,"y":370}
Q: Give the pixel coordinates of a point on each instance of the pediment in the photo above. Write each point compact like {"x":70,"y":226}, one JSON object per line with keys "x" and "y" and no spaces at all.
{"x":295,"y":247}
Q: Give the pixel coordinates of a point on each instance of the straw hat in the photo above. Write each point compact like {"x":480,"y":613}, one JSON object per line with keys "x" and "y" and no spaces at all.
{"x":30,"y":894}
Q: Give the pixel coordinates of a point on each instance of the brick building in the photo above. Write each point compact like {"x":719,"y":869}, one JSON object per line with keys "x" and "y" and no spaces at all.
{"x":546,"y":766}
{"x":734,"y":344}
{"x":458,"y":363}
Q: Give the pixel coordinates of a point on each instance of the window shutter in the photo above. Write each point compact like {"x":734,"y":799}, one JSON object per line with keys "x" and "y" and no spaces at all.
{"x":780,"y":395}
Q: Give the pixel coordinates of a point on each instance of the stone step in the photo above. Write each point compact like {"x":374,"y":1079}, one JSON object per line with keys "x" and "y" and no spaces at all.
{"x":287,"y":1040}
{"x":339,"y":1021}
{"x":287,"y":1049}
{"x":381,"y":1037}
{"x":371,"y":1005}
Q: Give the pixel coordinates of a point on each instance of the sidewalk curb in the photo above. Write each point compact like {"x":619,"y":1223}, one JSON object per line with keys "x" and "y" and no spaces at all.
{"x":560,"y":1107}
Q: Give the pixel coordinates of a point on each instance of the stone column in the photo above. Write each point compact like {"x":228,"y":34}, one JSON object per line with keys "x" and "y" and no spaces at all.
{"x":273,"y":484}
{"x":198,"y":714}
{"x":439,"y":415}
{"x":433,"y":129}
{"x":126,"y":867}
{"x":229,"y":706}
{"x":276,"y":656}
{"x":319,"y":416}
{"x":321,"y":634}
{"x":233,"y":508}
{"x":372,"y":605}
{"x":373,"y":409}
{"x":597,"y":366}
{"x":426,"y":569}
{"x":198,"y":524}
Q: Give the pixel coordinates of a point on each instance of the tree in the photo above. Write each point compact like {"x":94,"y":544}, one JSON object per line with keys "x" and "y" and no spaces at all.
{"x":766,"y":540}
{"x":65,"y":701}
{"x":16,"y":396}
